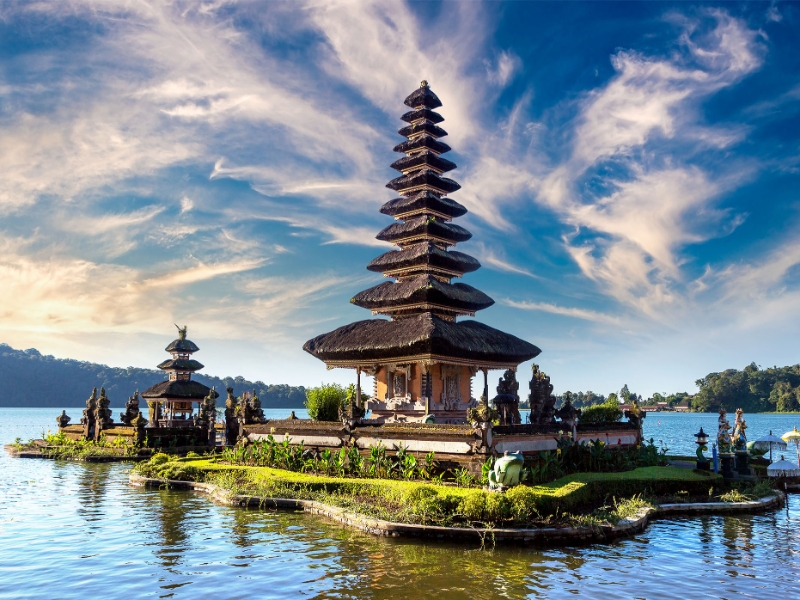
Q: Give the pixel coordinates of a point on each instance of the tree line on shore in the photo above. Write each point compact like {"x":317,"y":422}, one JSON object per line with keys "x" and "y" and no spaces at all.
{"x":29,"y":378}
{"x":753,"y":389}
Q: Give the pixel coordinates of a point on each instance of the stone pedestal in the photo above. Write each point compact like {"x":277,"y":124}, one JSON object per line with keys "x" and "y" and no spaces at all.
{"x":742,"y":462}
{"x":726,"y":465}
{"x":704,"y":465}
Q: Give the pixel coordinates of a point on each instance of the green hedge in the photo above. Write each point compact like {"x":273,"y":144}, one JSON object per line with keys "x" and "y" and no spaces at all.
{"x":608,"y":412}
{"x":426,"y":503}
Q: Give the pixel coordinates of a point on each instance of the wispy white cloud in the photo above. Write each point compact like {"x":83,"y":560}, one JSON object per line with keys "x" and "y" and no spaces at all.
{"x":578,"y":313}
{"x":496,"y":259}
{"x":634,"y":222}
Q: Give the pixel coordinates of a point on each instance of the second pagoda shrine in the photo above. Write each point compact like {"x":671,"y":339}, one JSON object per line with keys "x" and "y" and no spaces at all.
{"x":172,"y":401}
{"x":423,"y":358}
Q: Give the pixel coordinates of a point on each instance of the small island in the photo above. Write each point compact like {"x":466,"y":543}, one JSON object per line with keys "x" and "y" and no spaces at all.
{"x":420,"y":455}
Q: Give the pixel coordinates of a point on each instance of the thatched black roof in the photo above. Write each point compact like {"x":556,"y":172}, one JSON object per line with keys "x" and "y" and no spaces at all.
{"x":423,"y":141}
{"x":424,"y":226}
{"x":424,"y":334}
{"x":424,"y":127}
{"x":421,"y":201}
{"x":422,"y":97}
{"x":182,"y":390}
{"x":420,"y":256}
{"x":182,"y":345}
{"x":423,"y":304}
{"x":180,"y":364}
{"x":423,"y":159}
{"x":422,"y":113}
{"x":423,"y":289}
{"x":426,"y":177}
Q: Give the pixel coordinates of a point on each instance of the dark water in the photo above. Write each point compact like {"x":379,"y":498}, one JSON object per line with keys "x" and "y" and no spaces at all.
{"x":72,"y":530}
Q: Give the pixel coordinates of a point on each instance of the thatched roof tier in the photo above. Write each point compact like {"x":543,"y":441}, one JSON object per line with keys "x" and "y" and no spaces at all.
{"x":422,"y":113}
{"x":180,"y":364}
{"x":426,"y":203}
{"x":181,"y":390}
{"x":423,"y":180}
{"x":422,"y":258}
{"x":423,"y":304}
{"x":423,"y":228}
{"x":422,"y":97}
{"x":421,"y":291}
{"x":423,"y":142}
{"x":410,"y":131}
{"x":420,"y":337}
{"x":183,"y":346}
{"x":423,"y":160}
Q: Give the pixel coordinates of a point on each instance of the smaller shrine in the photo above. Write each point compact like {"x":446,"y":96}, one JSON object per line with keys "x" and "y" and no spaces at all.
{"x":182,"y":412}
{"x":172,"y":402}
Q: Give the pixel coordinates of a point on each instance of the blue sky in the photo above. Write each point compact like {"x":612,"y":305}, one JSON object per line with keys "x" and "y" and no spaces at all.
{"x":631,"y":170}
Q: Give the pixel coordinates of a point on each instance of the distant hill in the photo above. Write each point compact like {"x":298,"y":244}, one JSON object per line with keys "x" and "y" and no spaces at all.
{"x":28,"y":378}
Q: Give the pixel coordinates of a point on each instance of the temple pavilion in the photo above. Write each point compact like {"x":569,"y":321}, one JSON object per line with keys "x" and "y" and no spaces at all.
{"x":422,"y":358}
{"x":175,"y":398}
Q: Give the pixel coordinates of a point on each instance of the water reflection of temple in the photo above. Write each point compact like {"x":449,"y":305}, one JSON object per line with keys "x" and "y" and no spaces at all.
{"x":422,"y":358}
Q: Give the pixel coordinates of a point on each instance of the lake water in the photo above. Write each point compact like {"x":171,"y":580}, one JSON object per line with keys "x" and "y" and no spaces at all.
{"x":75,"y":530}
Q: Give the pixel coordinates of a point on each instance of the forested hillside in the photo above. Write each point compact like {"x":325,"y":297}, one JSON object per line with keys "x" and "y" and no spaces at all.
{"x":752,"y":389}
{"x":27,"y":378}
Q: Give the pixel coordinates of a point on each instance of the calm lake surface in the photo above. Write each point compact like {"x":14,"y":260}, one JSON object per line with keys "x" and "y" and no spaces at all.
{"x":74,"y":530}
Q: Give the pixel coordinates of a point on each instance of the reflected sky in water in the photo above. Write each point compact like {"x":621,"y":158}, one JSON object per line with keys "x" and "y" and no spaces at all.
{"x":72,"y":530}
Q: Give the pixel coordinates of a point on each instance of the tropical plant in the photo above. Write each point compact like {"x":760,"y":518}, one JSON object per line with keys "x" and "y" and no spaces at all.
{"x":323,"y":402}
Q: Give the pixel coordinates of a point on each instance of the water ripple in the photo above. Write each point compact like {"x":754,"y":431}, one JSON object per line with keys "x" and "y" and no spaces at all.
{"x":71,"y":530}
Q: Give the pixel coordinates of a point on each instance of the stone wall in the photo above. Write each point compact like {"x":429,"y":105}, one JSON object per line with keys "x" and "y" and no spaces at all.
{"x":460,"y":444}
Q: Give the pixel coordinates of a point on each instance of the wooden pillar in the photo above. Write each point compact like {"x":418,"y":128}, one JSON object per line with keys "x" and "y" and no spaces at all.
{"x":485,"y":385}
{"x":358,"y":387}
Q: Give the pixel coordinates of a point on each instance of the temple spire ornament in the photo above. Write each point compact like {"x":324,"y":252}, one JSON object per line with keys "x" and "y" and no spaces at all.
{"x":422,"y":357}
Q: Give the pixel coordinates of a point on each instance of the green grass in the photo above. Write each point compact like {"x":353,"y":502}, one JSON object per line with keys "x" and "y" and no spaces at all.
{"x":59,"y":446}
{"x":582,"y":498}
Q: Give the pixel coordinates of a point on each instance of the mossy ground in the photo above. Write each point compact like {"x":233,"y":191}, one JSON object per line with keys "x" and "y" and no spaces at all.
{"x":578,"y":499}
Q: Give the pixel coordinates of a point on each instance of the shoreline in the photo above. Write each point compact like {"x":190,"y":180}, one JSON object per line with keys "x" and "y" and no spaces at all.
{"x":544,"y":537}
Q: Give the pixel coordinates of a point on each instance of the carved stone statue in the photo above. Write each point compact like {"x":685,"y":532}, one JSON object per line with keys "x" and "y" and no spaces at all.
{"x":569,"y":415}
{"x":723,"y":433}
{"x":231,"y":418}
{"x":154,"y":412}
{"x":739,"y":435}
{"x":131,"y":409}
{"x":62,"y":420}
{"x":506,"y":470}
{"x":350,"y":411}
{"x":255,"y":414}
{"x":102,"y":413}
{"x":635,"y":414}
{"x":207,"y":415}
{"x":507,"y":399}
{"x":541,"y":398}
{"x":89,"y":414}
{"x":139,"y":423}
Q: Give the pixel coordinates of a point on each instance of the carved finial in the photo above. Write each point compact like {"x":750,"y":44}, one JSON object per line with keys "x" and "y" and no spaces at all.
{"x":423,"y":83}
{"x":182,"y":332}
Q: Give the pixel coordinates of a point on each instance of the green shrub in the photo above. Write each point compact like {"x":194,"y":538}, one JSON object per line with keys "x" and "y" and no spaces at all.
{"x":498,"y":508}
{"x":323,"y":402}
{"x":159,"y":458}
{"x":607,"y":412}
{"x":522,"y":503}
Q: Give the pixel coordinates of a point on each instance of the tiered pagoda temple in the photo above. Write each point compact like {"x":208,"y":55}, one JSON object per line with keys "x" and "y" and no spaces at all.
{"x":172,"y":401}
{"x":423,"y":358}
